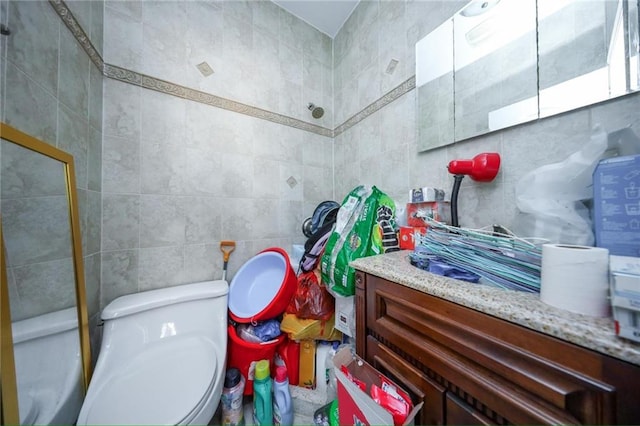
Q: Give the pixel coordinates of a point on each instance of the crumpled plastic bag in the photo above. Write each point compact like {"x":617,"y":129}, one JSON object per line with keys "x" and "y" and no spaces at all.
{"x":311,"y":300}
{"x":552,"y":198}
{"x":264,"y":331}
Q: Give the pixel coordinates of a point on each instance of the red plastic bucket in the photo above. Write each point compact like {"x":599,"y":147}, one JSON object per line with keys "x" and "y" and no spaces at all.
{"x":260,"y":290}
{"x":262,"y":287}
{"x":244,"y":355}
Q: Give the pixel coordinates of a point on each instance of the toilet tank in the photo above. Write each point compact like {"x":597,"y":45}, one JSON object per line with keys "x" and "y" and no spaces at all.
{"x":48,"y":365}
{"x":139,"y":319}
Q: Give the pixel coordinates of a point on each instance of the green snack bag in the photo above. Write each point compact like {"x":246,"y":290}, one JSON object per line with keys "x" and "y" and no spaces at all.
{"x":384,"y":236}
{"x":363,"y":226}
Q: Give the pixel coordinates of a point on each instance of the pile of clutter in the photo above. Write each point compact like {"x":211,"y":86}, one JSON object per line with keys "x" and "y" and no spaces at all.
{"x":286,"y":326}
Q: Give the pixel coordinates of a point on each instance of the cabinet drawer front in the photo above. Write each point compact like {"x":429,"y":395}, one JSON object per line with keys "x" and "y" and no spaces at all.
{"x":415,"y":382}
{"x":504,"y":366}
{"x":460,"y":413}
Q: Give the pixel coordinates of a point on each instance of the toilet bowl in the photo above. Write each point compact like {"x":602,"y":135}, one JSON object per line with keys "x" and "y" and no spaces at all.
{"x":48,"y":368}
{"x":162,"y":357}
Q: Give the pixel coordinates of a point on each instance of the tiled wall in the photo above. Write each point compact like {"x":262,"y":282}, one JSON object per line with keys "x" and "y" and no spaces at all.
{"x":36,"y":232}
{"x":52,"y":91}
{"x":4,"y":17}
{"x":261,"y":55}
{"x":182,"y":169}
{"x":381,"y":149}
{"x":190,"y":160}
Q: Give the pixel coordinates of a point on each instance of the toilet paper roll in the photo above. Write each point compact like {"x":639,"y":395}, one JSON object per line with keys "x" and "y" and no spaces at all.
{"x":576,"y":278}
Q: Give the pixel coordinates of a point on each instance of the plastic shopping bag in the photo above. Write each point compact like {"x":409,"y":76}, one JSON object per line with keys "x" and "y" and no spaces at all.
{"x":311,"y":299}
{"x":365,"y":226}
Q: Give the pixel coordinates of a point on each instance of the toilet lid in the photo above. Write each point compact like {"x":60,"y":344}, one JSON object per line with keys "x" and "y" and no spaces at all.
{"x":161,"y":385}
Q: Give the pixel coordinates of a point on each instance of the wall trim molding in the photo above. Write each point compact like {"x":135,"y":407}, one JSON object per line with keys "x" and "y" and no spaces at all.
{"x":395,"y":93}
{"x":76,"y":30}
{"x":163,"y":86}
{"x":173,"y":89}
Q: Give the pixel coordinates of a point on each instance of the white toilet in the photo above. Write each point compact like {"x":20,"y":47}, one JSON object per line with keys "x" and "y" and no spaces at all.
{"x":162,"y":357}
{"x":48,"y":368}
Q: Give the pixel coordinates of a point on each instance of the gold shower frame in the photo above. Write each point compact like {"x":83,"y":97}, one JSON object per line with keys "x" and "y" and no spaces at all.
{"x":8,"y":388}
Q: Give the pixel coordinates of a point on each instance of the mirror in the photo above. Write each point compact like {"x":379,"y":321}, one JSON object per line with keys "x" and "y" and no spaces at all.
{"x":43,"y":278}
{"x":434,"y":83}
{"x":8,"y":391}
{"x":588,"y":52}
{"x":498,"y":63}
{"x":494,"y":66}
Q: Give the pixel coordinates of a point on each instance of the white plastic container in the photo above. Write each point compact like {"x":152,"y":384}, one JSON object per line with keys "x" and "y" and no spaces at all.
{"x":322,"y":350}
{"x":282,"y":403}
{"x":332,"y":386}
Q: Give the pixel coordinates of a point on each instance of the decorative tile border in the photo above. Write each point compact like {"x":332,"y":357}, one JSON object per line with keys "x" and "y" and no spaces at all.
{"x":76,"y":30}
{"x":169,"y":88}
{"x":405,"y":87}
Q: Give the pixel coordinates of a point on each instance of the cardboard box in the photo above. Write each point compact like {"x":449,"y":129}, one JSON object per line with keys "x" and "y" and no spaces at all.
{"x":356,"y":407}
{"x":616,"y":205}
{"x":407,"y":236}
{"x":437,"y":210}
{"x":624,"y":264}
{"x":625,"y":291}
{"x":346,"y":315}
{"x":418,"y":195}
{"x":625,"y":295}
{"x":625,"y":323}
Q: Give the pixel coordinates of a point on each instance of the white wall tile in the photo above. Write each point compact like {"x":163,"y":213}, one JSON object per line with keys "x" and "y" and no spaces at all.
{"x":203,"y":219}
{"x":28,"y":106}
{"x":121,"y":109}
{"x":120,"y":221}
{"x":123,"y":36}
{"x":120,"y":270}
{"x":162,"y":221}
{"x":161,"y":267}
{"x":120,"y":165}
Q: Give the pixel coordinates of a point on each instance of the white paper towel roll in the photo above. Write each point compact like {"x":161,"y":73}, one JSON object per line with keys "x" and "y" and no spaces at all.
{"x":576,"y":278}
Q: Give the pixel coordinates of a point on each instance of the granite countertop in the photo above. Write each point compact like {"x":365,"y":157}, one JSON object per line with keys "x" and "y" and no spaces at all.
{"x":517,"y":307}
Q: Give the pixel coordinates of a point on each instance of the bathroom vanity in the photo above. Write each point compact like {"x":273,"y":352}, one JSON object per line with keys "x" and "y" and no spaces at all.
{"x":475,"y":354}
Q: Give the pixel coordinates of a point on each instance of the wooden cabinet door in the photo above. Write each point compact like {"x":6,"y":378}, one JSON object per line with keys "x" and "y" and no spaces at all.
{"x":458,"y":359}
{"x":517,"y":375}
{"x":420,"y":387}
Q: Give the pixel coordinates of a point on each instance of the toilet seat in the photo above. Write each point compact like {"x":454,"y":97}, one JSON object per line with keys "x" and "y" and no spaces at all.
{"x":163,"y":384}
